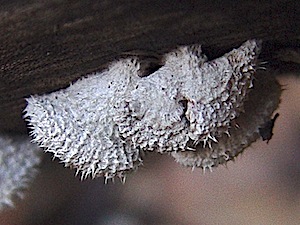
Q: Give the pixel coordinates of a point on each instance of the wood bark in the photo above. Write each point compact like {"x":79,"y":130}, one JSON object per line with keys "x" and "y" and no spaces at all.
{"x":45,"y":45}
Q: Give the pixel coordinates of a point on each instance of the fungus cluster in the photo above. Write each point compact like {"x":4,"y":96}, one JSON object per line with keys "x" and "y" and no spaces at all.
{"x":203,"y":113}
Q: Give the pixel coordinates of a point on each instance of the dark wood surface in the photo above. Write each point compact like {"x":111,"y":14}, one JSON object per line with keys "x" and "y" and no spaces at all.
{"x":45,"y":45}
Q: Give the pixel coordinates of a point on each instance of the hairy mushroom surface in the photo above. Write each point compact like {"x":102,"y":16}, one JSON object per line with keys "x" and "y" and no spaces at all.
{"x":101,"y":125}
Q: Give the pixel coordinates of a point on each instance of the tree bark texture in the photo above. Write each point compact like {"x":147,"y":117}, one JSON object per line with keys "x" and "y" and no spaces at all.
{"x":45,"y":45}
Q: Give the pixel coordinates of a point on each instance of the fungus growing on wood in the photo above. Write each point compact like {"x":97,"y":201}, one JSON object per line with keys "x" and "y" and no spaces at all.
{"x":102,"y":125}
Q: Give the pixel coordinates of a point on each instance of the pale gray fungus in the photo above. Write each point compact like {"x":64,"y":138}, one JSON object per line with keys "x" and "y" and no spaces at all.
{"x":18,"y":161}
{"x":244,"y":130}
{"x":101,"y":125}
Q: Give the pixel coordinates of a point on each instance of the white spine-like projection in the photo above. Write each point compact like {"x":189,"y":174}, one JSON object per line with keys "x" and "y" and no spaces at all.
{"x":190,"y":107}
{"x":18,"y":159}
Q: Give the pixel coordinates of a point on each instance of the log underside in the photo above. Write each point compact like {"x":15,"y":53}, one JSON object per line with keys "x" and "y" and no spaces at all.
{"x":47,"y":44}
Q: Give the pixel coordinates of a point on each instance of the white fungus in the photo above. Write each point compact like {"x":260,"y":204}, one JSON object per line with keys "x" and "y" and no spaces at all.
{"x":102,"y":124}
{"x":18,"y":159}
{"x":258,"y":109}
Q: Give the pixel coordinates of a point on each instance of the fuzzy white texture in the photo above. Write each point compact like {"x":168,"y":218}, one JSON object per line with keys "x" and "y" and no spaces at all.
{"x":102,"y":124}
{"x":18,"y":159}
{"x":244,"y":130}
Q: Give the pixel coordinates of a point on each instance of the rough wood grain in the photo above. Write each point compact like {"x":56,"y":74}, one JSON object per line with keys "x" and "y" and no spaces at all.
{"x":47,"y":44}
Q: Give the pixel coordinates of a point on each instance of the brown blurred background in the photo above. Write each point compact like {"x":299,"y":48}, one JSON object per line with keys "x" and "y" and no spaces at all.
{"x":46,"y":44}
